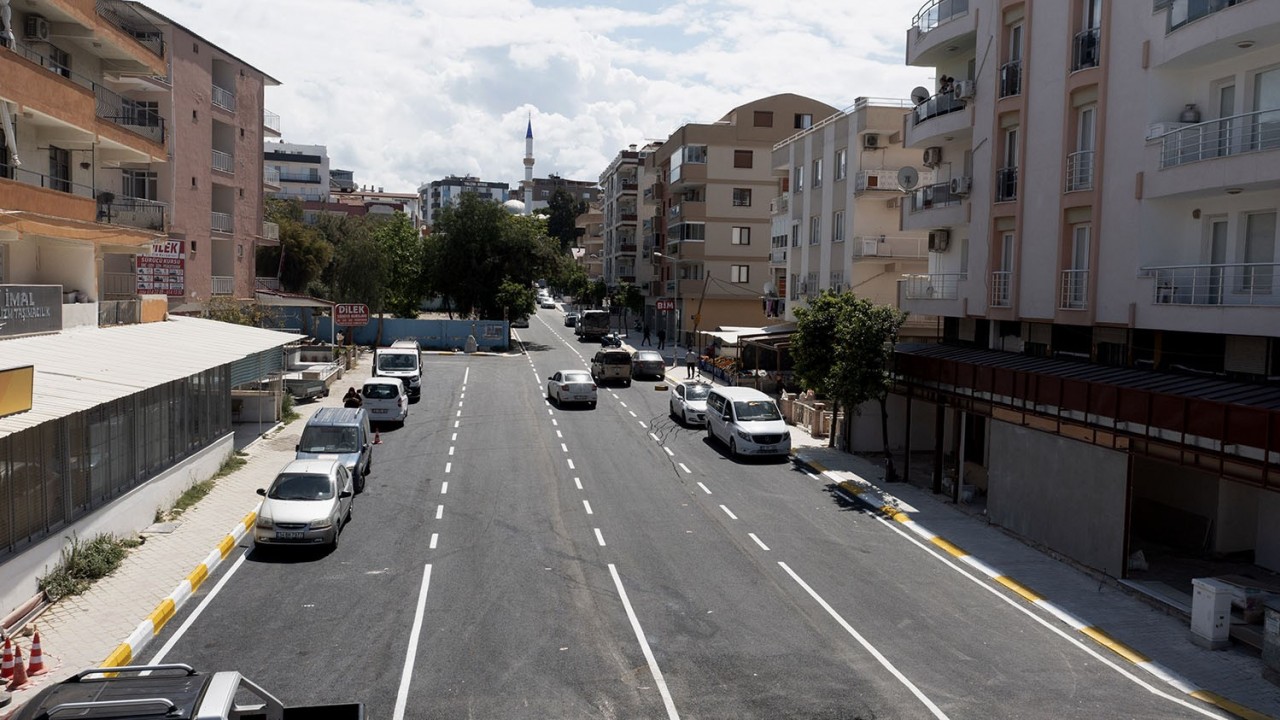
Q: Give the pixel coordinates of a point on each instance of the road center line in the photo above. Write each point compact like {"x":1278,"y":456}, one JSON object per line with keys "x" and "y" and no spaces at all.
{"x":564,"y":448}
{"x":466,"y":374}
{"x":463,"y":395}
{"x":934,"y":709}
{"x":578,"y":482}
{"x":450,"y":450}
{"x":728,"y":512}
{"x":621,"y":403}
{"x":440,"y":511}
{"x":434,"y":538}
{"x":402,"y":696}
{"x":686,"y":469}
{"x":553,"y":422}
{"x":758,"y":542}
{"x":658,"y":679}
{"x":454,"y":438}
{"x":655,"y":438}
{"x":459,"y":414}
{"x":448,"y":466}
{"x":571,"y":465}
{"x":633,"y":413}
{"x":587,"y":504}
{"x":646,"y":427}
{"x":559,"y":434}
{"x":444,"y":488}
{"x":664,"y":447}
{"x":456,"y":423}
{"x":705,"y":489}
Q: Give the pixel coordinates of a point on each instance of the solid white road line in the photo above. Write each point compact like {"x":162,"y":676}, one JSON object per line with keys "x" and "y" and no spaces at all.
{"x":439,"y":511}
{"x":728,"y":512}
{"x":758,"y":542}
{"x":434,"y":538}
{"x":402,"y":696}
{"x":686,"y":469}
{"x":578,"y":482}
{"x":658,"y":679}
{"x":571,"y":465}
{"x":705,"y":489}
{"x":186,"y":625}
{"x":599,"y":537}
{"x":587,"y":504}
{"x":448,"y":466}
{"x":444,"y":488}
{"x":664,"y":447}
{"x":934,"y":709}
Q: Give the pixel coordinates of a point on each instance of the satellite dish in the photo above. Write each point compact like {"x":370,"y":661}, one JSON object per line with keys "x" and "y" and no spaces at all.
{"x":920,"y":95}
{"x":908,"y":178}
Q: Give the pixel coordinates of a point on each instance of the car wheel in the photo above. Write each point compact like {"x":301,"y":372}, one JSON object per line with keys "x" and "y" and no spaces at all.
{"x":592,"y":404}
{"x":733,"y":448}
{"x":337,"y":533}
{"x":359,"y":483}
{"x":711,"y":436}
{"x":684,"y":418}
{"x":627,"y":382}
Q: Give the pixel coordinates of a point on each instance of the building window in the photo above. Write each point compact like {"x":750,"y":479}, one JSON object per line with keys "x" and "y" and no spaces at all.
{"x":804,"y":121}
{"x":696,"y":154}
{"x":795,"y":234}
{"x":739,"y":273}
{"x":742,"y":158}
{"x":742,"y":197}
{"x":741,"y":236}
{"x":764,"y":118}
{"x":60,"y":61}
{"x":815,"y":227}
{"x":798,"y":179}
{"x":817,"y":173}
{"x":837,"y":226}
{"x":59,"y":169}
{"x":139,"y":184}
{"x":842,"y":163}
{"x":837,"y":281}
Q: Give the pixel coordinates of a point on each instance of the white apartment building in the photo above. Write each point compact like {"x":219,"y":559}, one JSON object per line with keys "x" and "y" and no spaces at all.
{"x":1104,"y":220}
{"x":620,"y":202}
{"x":302,"y":171}
{"x":448,"y":191}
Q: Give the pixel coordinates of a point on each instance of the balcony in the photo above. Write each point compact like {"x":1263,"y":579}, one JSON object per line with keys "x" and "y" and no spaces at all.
{"x":271,"y":177}
{"x":1085,"y":49}
{"x":128,"y":114}
{"x":1074,"y":290}
{"x":132,"y":23}
{"x":40,"y":180}
{"x":1202,"y":32}
{"x":222,"y":222}
{"x":882,"y":179}
{"x":132,"y":211}
{"x":1183,"y":12}
{"x":223,"y":285}
{"x":780,"y":204}
{"x":933,"y":206}
{"x":1011,"y":78}
{"x":224,"y":99}
{"x":224,"y":162}
{"x":687,"y":210}
{"x":778,"y":257}
{"x":689,"y":173}
{"x":1206,"y":158}
{"x":299,"y":177}
{"x":1248,"y":133}
{"x":943,"y":115}
{"x":270,"y":232}
{"x":938,"y":25}
{"x":1080,"y":171}
{"x":627,"y":185}
{"x":1007,"y":184}
{"x":270,"y":123}
{"x":1233,"y":285}
{"x":1000,"y":284}
{"x":890,"y":246}
{"x":932,"y":286}
{"x":653,"y":193}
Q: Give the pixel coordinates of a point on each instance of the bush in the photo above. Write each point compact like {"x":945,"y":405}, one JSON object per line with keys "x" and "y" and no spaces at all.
{"x":84,"y":562}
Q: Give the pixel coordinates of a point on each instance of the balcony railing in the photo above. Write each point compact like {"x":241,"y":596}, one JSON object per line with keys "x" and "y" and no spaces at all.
{"x":133,"y":24}
{"x":1006,"y":184}
{"x":1080,"y":170}
{"x":939,"y":104}
{"x":1237,"y":135}
{"x":881,"y":179}
{"x":36,"y":179}
{"x":224,"y":285}
{"x":933,"y":286}
{"x":780,"y":204}
{"x":1011,"y":78}
{"x":1182,"y":12}
{"x":128,"y":114}
{"x":1084,"y":49}
{"x":270,"y":231}
{"x":223,"y":161}
{"x":271,"y":121}
{"x":933,"y":196}
{"x":270,"y":176}
{"x":302,"y":177}
{"x":1000,"y":281}
{"x":134,"y":212}
{"x":1228,"y":284}
{"x":778,"y":256}
{"x":222,"y":222}
{"x":890,"y":246}
{"x":1075,"y":290}
{"x":937,"y":12}
{"x":224,"y":99}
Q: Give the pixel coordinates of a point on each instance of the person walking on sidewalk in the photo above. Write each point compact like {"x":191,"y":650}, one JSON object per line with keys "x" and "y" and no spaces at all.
{"x":645,"y":340}
{"x":691,"y":363}
{"x":662,"y":338}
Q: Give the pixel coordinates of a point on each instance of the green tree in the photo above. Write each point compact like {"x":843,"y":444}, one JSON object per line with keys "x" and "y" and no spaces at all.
{"x":362,"y":272}
{"x":629,"y":298}
{"x":516,"y":300}
{"x":403,"y":248}
{"x":597,"y":290}
{"x":306,"y":255}
{"x":337,"y":230}
{"x":562,"y":217}
{"x":843,"y":349}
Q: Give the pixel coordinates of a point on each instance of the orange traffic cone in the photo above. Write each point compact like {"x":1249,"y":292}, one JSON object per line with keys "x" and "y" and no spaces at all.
{"x":377,"y":438}
{"x":6,"y":667}
{"x":19,"y":679}
{"x":36,"y":665}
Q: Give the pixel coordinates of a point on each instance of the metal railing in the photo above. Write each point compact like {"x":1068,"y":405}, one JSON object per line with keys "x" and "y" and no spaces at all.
{"x":933,"y":196}
{"x":289,"y":176}
{"x":1000,"y":283}
{"x":271,"y":121}
{"x":267,"y":283}
{"x":778,"y":256}
{"x":270,"y":231}
{"x":890,"y":246}
{"x":223,"y":285}
{"x":270,"y":176}
{"x":1224,"y":284}
{"x":132,"y":23}
{"x":29,"y":177}
{"x":932,"y":286}
{"x":1006,"y":184}
{"x":937,"y":12}
{"x":1237,"y":135}
{"x":222,"y":222}
{"x":780,"y":204}
{"x":1085,"y":49}
{"x":134,"y":212}
{"x":939,"y":104}
{"x":224,"y":99}
{"x":223,"y":161}
{"x":1182,"y":12}
{"x":1080,"y":170}
{"x":1074,"y":290}
{"x":1011,"y":78}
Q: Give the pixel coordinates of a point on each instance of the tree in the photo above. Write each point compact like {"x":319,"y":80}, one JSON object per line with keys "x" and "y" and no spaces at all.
{"x":516,"y":300}
{"x":305,"y":253}
{"x":562,"y":217}
{"x":403,"y":248}
{"x":629,"y":298}
{"x":597,"y":290}
{"x":842,"y":348}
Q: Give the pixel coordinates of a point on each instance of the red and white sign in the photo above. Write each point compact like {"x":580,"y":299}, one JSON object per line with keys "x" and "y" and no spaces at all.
{"x":163,"y":270}
{"x":665,"y":304}
{"x":351,"y":314}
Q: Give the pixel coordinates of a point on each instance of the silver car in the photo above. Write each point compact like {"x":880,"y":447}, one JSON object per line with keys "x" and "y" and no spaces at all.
{"x":572,"y":386}
{"x":648,"y":363}
{"x":689,"y":402}
{"x":309,"y":503}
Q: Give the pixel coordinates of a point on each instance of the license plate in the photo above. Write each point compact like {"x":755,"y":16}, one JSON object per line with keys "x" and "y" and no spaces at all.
{"x":288,"y":534}
{"x":580,"y":397}
{"x":379,"y":411}
{"x":768,"y":448}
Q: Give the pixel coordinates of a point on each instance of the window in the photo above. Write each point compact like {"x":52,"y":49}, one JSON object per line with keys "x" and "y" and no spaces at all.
{"x":798,"y":179}
{"x":837,"y":226}
{"x":690,"y":231}
{"x":139,"y":184}
{"x":739,"y":273}
{"x":817,"y":172}
{"x":59,"y":169}
{"x":795,"y":234}
{"x":742,"y":158}
{"x":695,"y":154}
{"x":60,"y":61}
{"x":842,"y":163}
{"x":804,"y":121}
{"x":815,"y":227}
{"x":742,"y":197}
{"x":1257,"y":276}
{"x":837,"y":281}
{"x":763,"y":118}
{"x":741,"y":236}
{"x":794,"y":287}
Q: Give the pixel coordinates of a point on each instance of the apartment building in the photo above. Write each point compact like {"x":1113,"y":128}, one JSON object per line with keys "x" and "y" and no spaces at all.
{"x":581,"y":190}
{"x":590,"y":250}
{"x":715,"y":181}
{"x":619,"y":185}
{"x":1103,"y":226}
{"x":302,"y":170}
{"x":447,"y":191}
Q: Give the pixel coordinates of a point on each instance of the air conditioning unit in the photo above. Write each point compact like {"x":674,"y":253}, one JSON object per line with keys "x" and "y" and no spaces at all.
{"x":960,"y":185}
{"x":932,"y":156}
{"x":939,"y":240}
{"x":965,"y":89}
{"x":870,"y":141}
{"x":36,"y":28}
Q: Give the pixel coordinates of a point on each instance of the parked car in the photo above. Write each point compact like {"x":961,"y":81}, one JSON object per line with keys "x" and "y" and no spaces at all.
{"x":385,"y":399}
{"x":688,"y":402}
{"x":648,"y":363}
{"x":748,"y":421}
{"x":571,"y":386}
{"x":547,"y":303}
{"x":570,"y":319}
{"x":308,"y":503}
{"x":612,"y":365}
{"x":341,"y":434}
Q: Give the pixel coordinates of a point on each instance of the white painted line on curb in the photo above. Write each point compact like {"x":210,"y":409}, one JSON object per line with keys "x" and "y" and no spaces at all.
{"x":587,"y":504}
{"x":758,"y":542}
{"x":434,"y":538}
{"x":658,"y":679}
{"x":599,"y":537}
{"x":686,"y":469}
{"x":728,"y":512}
{"x":402,"y":695}
{"x":705,"y":489}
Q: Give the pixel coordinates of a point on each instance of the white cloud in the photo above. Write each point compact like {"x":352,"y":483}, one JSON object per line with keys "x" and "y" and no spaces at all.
{"x":407,"y":91}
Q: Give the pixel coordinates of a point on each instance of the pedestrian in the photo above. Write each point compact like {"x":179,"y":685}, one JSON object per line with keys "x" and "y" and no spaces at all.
{"x":646,"y":339}
{"x":662,"y":338}
{"x":691,"y":363}
{"x":352,"y":399}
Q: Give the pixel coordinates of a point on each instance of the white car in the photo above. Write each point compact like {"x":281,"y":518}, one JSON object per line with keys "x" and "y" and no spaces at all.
{"x":547,"y":304}
{"x":572,"y":386}
{"x":309,"y":503}
{"x":688,"y":402}
{"x":385,"y":400}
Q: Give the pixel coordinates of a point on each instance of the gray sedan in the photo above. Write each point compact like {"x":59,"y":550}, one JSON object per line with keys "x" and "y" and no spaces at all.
{"x":309,"y":503}
{"x":648,"y":362}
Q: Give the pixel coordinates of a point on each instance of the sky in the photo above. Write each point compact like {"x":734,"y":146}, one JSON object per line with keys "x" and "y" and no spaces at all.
{"x":403,"y":92}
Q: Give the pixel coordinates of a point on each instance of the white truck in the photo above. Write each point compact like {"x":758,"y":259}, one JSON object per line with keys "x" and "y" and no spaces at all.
{"x":402,"y":360}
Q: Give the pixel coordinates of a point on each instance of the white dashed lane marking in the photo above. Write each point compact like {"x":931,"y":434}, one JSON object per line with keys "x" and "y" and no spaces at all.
{"x":664,"y":447}
{"x":440,"y":511}
{"x":434,"y":538}
{"x":578,"y":482}
{"x":599,"y":537}
{"x":705,"y":489}
{"x":564,"y":448}
{"x":448,"y":467}
{"x":758,"y":542}
{"x":586,"y":504}
{"x":444,"y":488}
{"x":686,"y":469}
{"x":728,"y":512}
{"x":571,"y":465}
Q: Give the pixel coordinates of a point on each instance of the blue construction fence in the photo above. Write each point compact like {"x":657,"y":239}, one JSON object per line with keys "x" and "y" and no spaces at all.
{"x":490,"y":335}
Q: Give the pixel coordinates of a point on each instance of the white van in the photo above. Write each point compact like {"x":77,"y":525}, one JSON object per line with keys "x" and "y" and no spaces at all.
{"x":748,"y":421}
{"x":402,"y":360}
{"x":385,"y":400}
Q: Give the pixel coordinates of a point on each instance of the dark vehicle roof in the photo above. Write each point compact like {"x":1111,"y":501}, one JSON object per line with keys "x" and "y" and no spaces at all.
{"x":337,"y":416}
{"x":183,"y":689}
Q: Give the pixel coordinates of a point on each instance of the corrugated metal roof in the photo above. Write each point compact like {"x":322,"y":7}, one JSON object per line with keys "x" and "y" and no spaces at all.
{"x":81,"y":368}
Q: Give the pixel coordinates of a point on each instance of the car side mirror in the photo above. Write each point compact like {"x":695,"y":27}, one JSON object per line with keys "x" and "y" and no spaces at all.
{"x":297,"y":447}
{"x":344,"y":494}
{"x":727,"y":417}
{"x":262,"y":492}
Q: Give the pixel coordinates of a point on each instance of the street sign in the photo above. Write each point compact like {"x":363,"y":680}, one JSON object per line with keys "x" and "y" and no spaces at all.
{"x":665,"y":304}
{"x":351,"y":314}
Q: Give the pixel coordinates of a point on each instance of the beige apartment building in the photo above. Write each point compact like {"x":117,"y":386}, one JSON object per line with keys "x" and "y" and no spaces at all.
{"x":619,"y":186}
{"x":710,"y":185}
{"x":589,"y":252}
{"x":1103,"y":221}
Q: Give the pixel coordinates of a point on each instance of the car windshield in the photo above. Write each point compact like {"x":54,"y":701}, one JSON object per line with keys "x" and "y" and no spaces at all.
{"x":615,"y":359}
{"x":752,"y":410}
{"x":301,"y":486}
{"x":380,"y":391}
{"x":648,"y":356}
{"x":322,"y":439}
{"x":577,"y":377}
{"x":402,"y":361}
{"x":697,"y":392}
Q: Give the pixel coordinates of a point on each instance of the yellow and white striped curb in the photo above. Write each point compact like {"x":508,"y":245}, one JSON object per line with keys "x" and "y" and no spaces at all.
{"x":149,"y":628}
{"x":868,"y":493}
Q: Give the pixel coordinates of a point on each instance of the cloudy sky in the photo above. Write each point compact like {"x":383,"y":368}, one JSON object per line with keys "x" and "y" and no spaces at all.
{"x":408,"y":91}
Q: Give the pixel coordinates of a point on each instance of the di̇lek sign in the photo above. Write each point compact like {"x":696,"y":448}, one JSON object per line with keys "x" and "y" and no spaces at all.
{"x":351,"y":314}
{"x":27,"y":309}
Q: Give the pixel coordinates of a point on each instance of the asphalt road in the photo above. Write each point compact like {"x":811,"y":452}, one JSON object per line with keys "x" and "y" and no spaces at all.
{"x":514,"y":559}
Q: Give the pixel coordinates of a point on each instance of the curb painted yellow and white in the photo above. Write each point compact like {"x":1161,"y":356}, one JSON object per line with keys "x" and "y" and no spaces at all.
{"x":149,"y":628}
{"x":865,"y":492}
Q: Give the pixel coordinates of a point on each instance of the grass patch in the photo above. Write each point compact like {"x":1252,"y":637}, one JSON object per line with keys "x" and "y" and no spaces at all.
{"x":287,"y":413}
{"x":83,"y":562}
{"x":197,"y":491}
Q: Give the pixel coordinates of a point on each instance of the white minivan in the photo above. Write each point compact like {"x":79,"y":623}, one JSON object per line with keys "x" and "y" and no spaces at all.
{"x":385,"y":400}
{"x":748,"y":421}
